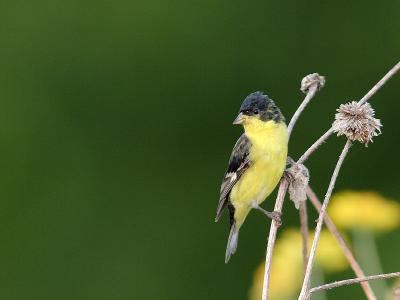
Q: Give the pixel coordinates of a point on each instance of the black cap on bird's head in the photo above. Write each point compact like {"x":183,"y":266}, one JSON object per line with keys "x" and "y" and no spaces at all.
{"x":260,"y":106}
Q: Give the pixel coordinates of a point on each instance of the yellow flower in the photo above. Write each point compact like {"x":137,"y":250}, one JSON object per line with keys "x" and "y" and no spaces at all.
{"x":287,"y":269}
{"x":287,"y":264}
{"x":394,"y":291}
{"x":364,"y":210}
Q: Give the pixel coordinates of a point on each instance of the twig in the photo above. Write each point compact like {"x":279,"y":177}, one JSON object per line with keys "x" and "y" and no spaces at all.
{"x":311,"y":93}
{"x":304,"y":231}
{"x":304,"y":291}
{"x":380,"y":83}
{"x":284,"y":184}
{"x":352,"y":281}
{"x":272,"y":237}
{"x":364,"y":99}
{"x":307,"y":276}
{"x":343,"y":244}
{"x":315,"y":146}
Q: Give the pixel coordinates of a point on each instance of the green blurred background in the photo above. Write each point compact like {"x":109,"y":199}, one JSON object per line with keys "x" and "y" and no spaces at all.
{"x":115,"y":129}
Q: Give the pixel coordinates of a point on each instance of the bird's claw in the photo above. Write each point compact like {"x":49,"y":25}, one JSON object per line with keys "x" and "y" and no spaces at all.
{"x":289,"y":164}
{"x":287,"y":175}
{"x":274,"y":215}
{"x":277,"y":217}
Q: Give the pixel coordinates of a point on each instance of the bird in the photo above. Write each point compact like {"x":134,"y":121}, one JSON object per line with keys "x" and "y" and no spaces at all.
{"x":256,"y":164}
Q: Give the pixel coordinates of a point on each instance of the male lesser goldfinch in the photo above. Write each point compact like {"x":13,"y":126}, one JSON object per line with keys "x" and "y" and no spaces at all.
{"x":256,"y":164}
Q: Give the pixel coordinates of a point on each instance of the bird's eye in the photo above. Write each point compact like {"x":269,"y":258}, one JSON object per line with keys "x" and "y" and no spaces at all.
{"x":255,"y":111}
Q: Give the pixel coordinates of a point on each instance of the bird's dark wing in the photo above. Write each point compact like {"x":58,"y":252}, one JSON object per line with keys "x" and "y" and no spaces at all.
{"x":238,"y":164}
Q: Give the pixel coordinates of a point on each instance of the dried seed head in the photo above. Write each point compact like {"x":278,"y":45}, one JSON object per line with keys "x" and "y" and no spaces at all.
{"x":356,"y":121}
{"x":310,"y":80}
{"x":298,"y":176}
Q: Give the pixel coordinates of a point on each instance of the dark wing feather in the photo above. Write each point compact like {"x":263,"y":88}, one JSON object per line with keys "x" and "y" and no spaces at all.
{"x":238,"y":164}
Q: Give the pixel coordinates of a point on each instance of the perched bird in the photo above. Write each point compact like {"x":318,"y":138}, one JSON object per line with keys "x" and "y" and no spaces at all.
{"x":256,"y":164}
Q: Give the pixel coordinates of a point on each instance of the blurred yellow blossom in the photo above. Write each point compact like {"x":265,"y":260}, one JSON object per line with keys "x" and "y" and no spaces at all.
{"x":287,"y":264}
{"x":364,"y":210}
{"x":394,"y":292}
{"x":287,"y":269}
{"x":329,"y":254}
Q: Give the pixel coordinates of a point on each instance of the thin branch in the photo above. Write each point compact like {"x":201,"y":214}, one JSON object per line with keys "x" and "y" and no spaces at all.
{"x":343,"y":244}
{"x":311,"y":93}
{"x":380,"y":83}
{"x":364,"y":99}
{"x":352,"y":281}
{"x":304,"y":231}
{"x":312,"y":88}
{"x":284,"y":184}
{"x":315,"y":146}
{"x":307,"y":276}
{"x":272,"y":237}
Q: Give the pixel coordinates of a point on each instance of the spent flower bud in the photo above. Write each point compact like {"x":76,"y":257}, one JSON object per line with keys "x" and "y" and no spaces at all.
{"x":311,"y":80}
{"x":357,"y":122}
{"x":298,"y":176}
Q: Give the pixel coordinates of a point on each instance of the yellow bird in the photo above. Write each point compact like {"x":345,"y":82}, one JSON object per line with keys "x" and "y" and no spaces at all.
{"x":256,"y":164}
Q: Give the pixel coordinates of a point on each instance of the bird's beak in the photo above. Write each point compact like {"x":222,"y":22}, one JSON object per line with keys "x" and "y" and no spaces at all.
{"x":239,"y":119}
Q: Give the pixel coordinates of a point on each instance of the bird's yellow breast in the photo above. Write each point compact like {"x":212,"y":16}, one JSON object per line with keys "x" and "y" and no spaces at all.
{"x":268,"y":153}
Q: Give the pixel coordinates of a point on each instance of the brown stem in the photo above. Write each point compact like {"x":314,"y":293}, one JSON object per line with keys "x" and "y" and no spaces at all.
{"x":281,"y":197}
{"x":311,"y":93}
{"x":380,"y":83}
{"x":353,"y":280}
{"x":272,"y":237}
{"x":307,"y":276}
{"x":304,"y":231}
{"x":343,"y":244}
{"x":315,"y":146}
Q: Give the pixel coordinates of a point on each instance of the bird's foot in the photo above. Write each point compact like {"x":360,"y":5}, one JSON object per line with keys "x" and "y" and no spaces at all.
{"x":274,"y":215}
{"x":289,"y":164}
{"x":277,"y":217}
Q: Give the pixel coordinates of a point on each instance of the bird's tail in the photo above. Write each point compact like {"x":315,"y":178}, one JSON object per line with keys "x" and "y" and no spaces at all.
{"x":232,"y":242}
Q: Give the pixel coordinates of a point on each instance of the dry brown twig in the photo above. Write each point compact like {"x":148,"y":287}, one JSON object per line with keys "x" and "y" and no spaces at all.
{"x":363,"y":100}
{"x":343,"y":245}
{"x":352,"y":281}
{"x":313,"y":86}
{"x":307,"y":276}
{"x":304,"y":231}
{"x":272,"y":237}
{"x":356,"y":121}
{"x":310,"y":86}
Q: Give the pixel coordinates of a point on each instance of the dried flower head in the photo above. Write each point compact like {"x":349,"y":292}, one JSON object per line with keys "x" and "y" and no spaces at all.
{"x":356,"y":121}
{"x":310,"y":80}
{"x":298,"y":176}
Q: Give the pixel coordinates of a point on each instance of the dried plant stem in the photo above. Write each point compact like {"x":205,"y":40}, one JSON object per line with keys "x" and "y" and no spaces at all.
{"x":352,"y":281}
{"x":307,"y":275}
{"x":380,"y":83}
{"x":315,"y":146}
{"x":304,"y":231}
{"x":272,"y":237}
{"x":311,"y":93}
{"x":281,"y":197}
{"x":364,"y":99}
{"x":343,"y":244}
{"x":284,"y":185}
